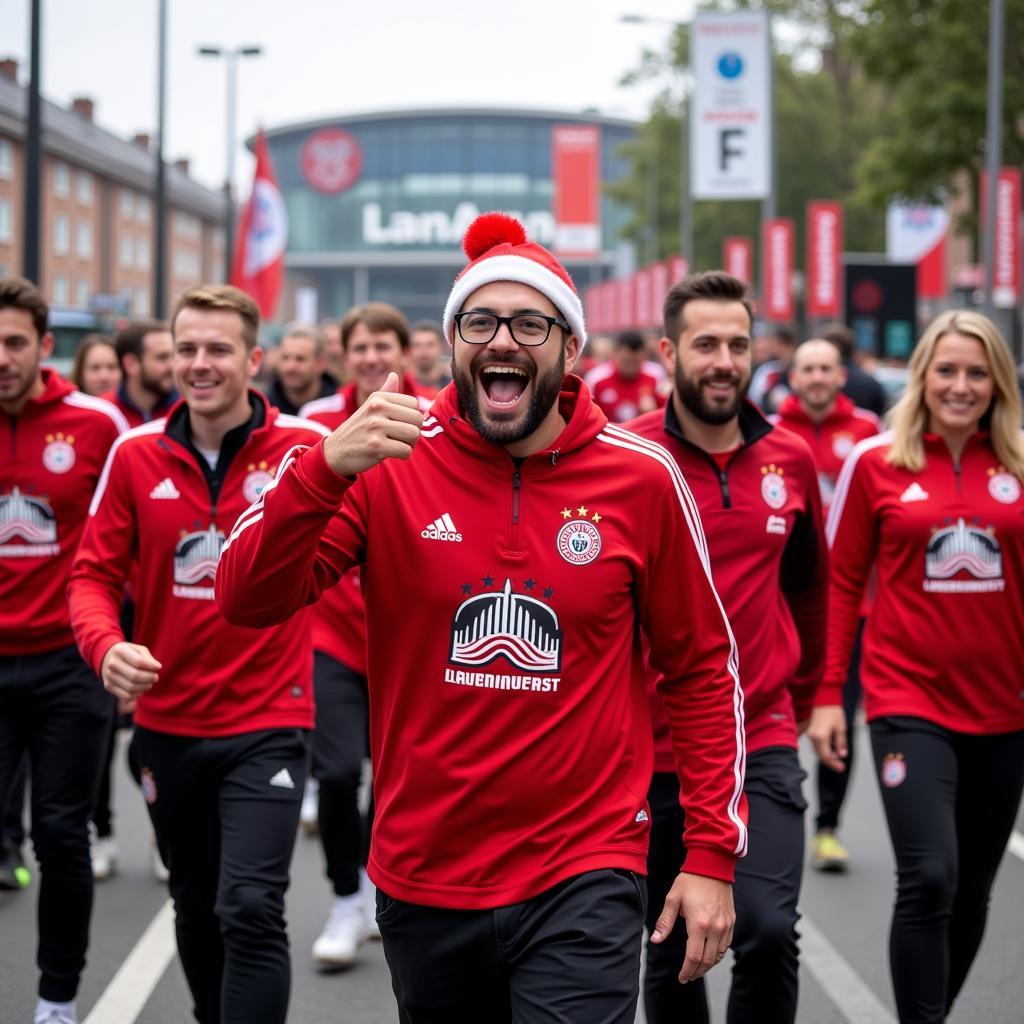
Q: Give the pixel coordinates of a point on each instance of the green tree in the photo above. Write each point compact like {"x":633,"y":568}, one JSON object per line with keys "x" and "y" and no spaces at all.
{"x":932,"y":59}
{"x":825,"y":115}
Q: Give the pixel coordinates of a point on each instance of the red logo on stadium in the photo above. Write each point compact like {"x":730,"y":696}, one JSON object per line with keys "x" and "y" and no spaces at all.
{"x":332,"y":160}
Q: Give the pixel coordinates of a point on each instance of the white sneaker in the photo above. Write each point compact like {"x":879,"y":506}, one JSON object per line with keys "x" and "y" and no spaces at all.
{"x":309,"y":814}
{"x":346,"y":930}
{"x":368,"y":891}
{"x":160,"y":872}
{"x":104,"y":853}
{"x":55,"y":1013}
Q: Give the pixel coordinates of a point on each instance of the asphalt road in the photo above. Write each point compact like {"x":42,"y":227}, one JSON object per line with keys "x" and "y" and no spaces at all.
{"x":844,"y":974}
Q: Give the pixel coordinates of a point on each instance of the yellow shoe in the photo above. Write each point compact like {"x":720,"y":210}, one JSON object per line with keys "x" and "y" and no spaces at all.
{"x":828,"y":853}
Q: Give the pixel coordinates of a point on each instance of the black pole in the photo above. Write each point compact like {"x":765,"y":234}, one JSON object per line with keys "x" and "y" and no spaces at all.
{"x":160,"y":191}
{"x":33,"y":156}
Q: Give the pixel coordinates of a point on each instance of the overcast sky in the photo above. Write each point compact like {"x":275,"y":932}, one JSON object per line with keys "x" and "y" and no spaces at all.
{"x":326,"y":58}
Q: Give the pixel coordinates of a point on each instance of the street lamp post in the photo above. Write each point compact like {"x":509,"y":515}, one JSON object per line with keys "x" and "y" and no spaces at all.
{"x":685,"y":197}
{"x":230,"y":55}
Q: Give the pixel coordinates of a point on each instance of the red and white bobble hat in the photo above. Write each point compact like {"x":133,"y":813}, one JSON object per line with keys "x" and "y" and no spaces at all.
{"x":498,"y":251}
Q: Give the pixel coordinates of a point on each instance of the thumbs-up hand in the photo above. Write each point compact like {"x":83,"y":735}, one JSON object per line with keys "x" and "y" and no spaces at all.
{"x":386,"y":426}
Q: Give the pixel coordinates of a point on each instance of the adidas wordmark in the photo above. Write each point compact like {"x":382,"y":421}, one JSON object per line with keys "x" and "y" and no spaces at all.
{"x":442,"y":529}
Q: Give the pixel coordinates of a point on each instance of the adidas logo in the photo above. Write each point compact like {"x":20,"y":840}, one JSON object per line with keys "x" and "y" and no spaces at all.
{"x":165,"y":489}
{"x":915,"y":492}
{"x":641,"y":816}
{"x":442,"y":529}
{"x":283,"y":780}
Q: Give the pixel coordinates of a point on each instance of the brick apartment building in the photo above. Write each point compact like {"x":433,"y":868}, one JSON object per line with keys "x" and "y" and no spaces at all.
{"x":97,"y":209}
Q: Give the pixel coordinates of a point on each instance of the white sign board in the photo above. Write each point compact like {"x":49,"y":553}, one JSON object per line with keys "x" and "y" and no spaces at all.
{"x":731,"y":119}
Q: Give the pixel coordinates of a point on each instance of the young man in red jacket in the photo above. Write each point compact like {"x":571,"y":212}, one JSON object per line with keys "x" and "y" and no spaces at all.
{"x":831,"y":424}
{"x":55,"y":441}
{"x":512,"y":545}
{"x":375,"y":339}
{"x":221,"y":714}
{"x":757,"y":494}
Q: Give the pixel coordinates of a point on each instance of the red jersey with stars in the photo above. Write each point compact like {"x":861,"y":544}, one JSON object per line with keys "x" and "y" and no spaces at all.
{"x":945,"y":640}
{"x":762,"y":517}
{"x":511,"y":736}
{"x":154,"y":504}
{"x":53,"y":453}
{"x":339,"y":618}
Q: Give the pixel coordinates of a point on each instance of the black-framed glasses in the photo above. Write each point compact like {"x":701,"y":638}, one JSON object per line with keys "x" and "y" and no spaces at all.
{"x":479,"y":328}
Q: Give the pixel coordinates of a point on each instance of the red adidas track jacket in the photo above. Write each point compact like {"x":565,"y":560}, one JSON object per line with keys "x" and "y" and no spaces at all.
{"x":510,"y":733}
{"x":154,"y":504}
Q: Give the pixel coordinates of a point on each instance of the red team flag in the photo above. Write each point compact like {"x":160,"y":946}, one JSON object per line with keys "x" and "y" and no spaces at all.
{"x":258,"y":267}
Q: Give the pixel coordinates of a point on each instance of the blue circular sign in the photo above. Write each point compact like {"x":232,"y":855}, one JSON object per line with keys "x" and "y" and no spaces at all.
{"x":730,"y":65}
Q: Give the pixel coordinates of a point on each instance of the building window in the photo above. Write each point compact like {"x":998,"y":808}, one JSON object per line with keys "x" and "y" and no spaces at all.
{"x":127,"y":203}
{"x":85,"y":188}
{"x":142,"y":209}
{"x":82,"y":293}
{"x":141,"y":304}
{"x":186,"y":226}
{"x":126,"y":252}
{"x":142,"y":253}
{"x":61,"y":235}
{"x":186,"y":264}
{"x":6,"y":223}
{"x":6,"y":160}
{"x":60,"y":290}
{"x":83,"y":241}
{"x":61,"y":180}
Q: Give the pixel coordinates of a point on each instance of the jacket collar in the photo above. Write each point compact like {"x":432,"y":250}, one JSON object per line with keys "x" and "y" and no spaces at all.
{"x":753,"y":425}
{"x":55,"y":388}
{"x":179,"y":427}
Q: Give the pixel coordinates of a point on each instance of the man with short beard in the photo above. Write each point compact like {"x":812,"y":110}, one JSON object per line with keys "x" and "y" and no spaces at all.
{"x":757,"y":494}
{"x":512,"y":546}
{"x":146,"y":392}
{"x":54,"y":441}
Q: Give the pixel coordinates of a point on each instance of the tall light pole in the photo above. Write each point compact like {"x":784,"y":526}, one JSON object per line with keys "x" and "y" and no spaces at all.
{"x":230,"y":55}
{"x":685,"y":197}
{"x":993,"y":145}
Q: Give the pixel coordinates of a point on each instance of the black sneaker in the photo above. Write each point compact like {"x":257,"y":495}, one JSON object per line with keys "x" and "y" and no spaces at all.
{"x":13,"y":872}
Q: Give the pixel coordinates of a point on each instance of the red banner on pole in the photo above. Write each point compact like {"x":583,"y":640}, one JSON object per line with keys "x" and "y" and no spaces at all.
{"x":738,"y":257}
{"x":642,"y":309}
{"x":678,"y":268}
{"x":660,"y":284}
{"x":576,"y":172}
{"x":627,"y":302}
{"x":824,"y":259}
{"x":777,"y":273}
{"x":259,"y":256}
{"x":1006,"y":270}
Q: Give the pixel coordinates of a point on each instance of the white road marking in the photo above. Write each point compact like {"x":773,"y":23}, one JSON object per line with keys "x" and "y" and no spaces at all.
{"x":130,"y":988}
{"x":1016,"y":846}
{"x":848,"y":992}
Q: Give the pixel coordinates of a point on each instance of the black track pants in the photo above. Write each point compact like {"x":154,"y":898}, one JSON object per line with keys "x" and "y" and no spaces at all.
{"x":54,"y":707}
{"x":950,"y":801}
{"x":340,"y":744}
{"x":764,"y":982}
{"x":832,"y":785}
{"x":225,"y":811}
{"x":570,"y":955}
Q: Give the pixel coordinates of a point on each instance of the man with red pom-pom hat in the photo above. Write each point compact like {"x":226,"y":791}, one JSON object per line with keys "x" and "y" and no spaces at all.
{"x":513,"y":545}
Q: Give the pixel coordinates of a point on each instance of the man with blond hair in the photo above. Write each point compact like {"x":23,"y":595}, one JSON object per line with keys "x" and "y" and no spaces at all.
{"x":222,"y":715}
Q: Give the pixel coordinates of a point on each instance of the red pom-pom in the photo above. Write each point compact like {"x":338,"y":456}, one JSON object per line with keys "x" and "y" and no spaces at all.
{"x":489,"y":230}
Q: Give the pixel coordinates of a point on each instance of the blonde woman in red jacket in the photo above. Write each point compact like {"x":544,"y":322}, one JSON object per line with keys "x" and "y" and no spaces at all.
{"x":936,"y":503}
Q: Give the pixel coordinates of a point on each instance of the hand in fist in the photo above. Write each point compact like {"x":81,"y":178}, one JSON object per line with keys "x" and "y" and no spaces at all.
{"x":386,"y":426}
